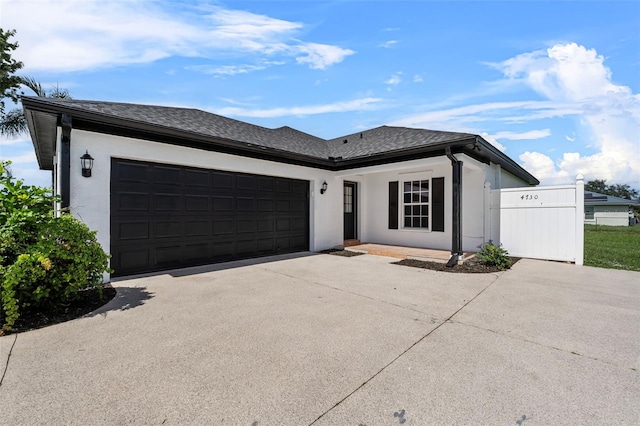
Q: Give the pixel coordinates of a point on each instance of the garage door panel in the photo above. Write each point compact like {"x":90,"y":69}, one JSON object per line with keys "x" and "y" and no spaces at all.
{"x":265,"y":183}
{"x":132,"y":259}
{"x":196,"y":203}
{"x":245,"y":183}
{"x":224,"y":227}
{"x":283,"y":243}
{"x":132,"y":172}
{"x":196,"y":252}
{"x":168,"y":229}
{"x":265,"y":206}
{"x":223,"y":204}
{"x":196,"y":178}
{"x":266,"y":245}
{"x":132,"y":230}
{"x":298,"y":224}
{"x":167,"y":202}
{"x":246,"y":247}
{"x":245,"y":204}
{"x":133,"y":201}
{"x":244,"y":226}
{"x":266,"y":225}
{"x":166,"y":175}
{"x":196,"y":228}
{"x":167,"y":254}
{"x":166,"y":216}
{"x":283,"y":225}
{"x":283,"y":205}
{"x":222,"y":180}
{"x":223,"y":249}
{"x":283,"y":185}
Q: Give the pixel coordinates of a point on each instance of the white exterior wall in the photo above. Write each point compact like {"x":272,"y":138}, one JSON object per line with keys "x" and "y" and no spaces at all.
{"x":90,"y":199}
{"x":609,"y":216}
{"x":507,"y":180}
{"x":474,"y":210}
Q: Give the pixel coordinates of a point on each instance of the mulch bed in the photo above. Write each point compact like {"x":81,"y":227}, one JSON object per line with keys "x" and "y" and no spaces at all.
{"x":471,"y":266}
{"x":88,"y":301}
{"x":343,"y":253}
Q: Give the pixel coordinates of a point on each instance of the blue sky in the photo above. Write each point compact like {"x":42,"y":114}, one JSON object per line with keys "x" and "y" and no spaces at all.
{"x":555,"y":85}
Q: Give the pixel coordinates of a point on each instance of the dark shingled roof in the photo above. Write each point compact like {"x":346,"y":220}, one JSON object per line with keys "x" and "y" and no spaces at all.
{"x":595,"y":198}
{"x":387,"y":139}
{"x":187,"y":126}
{"x":204,"y":123}
{"x":374,"y":141}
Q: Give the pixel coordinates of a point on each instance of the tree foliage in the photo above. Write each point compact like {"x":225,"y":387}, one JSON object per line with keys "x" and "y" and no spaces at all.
{"x":9,"y":82}
{"x":615,"y":190}
{"x":13,"y":122}
{"x":44,"y":260}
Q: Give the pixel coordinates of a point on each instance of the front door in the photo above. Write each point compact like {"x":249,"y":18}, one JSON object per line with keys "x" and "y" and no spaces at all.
{"x":350,"y":210}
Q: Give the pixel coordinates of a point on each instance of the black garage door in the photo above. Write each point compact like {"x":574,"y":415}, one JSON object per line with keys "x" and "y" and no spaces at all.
{"x":165,"y":216}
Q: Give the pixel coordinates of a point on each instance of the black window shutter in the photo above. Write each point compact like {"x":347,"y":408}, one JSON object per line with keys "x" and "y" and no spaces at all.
{"x":393,"y":205}
{"x":437,"y":207}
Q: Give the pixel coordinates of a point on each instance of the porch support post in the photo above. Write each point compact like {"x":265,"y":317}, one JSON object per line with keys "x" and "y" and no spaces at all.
{"x":65,"y":162}
{"x":456,"y":232}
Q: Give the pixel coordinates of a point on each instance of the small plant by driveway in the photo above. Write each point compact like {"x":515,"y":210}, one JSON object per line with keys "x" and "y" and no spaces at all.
{"x":491,"y":254}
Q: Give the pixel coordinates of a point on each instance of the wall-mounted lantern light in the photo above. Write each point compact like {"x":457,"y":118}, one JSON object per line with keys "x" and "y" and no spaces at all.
{"x":87,"y":164}
{"x":324,"y":187}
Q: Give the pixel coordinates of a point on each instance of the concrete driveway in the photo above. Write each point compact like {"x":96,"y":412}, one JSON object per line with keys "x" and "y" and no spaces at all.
{"x":326,"y":340}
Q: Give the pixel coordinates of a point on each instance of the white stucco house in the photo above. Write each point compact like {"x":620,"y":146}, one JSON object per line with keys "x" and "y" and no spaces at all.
{"x":174,"y":187}
{"x":601,"y":209}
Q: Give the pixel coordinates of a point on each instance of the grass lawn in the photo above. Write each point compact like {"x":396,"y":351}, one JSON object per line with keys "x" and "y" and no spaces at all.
{"x":615,"y":247}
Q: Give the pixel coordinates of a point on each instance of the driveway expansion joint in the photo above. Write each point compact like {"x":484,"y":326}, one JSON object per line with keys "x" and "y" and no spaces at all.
{"x":523,"y":339}
{"x":447,"y":320}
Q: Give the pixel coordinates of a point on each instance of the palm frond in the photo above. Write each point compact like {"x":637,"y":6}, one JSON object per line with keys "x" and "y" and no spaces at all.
{"x":34,"y":85}
{"x":59,"y":93}
{"x":13,"y":123}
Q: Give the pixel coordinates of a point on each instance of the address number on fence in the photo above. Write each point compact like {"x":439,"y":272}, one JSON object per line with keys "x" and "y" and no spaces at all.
{"x":529,"y":197}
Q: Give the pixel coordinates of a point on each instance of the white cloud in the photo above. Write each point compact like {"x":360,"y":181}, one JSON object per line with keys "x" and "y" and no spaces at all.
{"x":13,"y":140}
{"x":73,"y":35}
{"x":417,"y":78}
{"x":233,"y":69}
{"x":609,"y":112}
{"x":528,"y":135}
{"x":353,"y":105}
{"x":516,"y":136}
{"x":23,"y":158}
{"x":574,"y":82}
{"x":320,"y":56}
{"x":493,"y":141}
{"x":388,"y":44}
{"x":394,"y":80}
{"x":460,"y":117}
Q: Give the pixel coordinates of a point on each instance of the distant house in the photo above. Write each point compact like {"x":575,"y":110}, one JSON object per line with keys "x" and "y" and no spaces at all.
{"x":175,"y":187}
{"x":601,"y":209}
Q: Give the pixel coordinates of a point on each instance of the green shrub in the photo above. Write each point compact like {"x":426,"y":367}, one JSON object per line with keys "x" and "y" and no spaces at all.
{"x":494,"y":255}
{"x":44,"y":260}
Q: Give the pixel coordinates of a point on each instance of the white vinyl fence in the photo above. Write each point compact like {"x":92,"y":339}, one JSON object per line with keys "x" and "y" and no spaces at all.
{"x":545,"y":222}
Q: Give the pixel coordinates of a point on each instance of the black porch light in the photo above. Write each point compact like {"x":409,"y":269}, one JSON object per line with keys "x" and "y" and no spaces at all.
{"x":324,"y":187}
{"x":87,"y":164}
